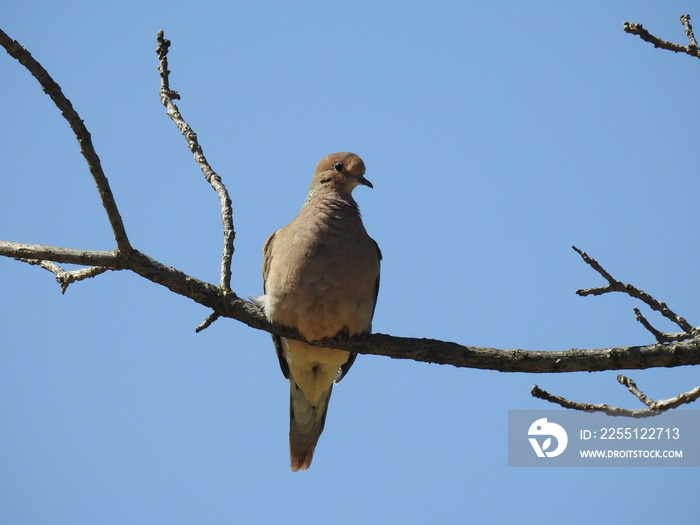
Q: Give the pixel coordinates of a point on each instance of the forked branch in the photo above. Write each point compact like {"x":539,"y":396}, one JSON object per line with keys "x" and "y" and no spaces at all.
{"x":691,"y":49}
{"x":616,"y":286}
{"x":63,"y":277}
{"x":653,"y":407}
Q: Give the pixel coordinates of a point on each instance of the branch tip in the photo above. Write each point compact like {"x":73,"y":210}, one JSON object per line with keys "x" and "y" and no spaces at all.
{"x":692,"y":49}
{"x":207,"y":322}
{"x":685,"y":20}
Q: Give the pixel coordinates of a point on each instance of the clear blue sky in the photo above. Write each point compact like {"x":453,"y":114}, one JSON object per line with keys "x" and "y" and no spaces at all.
{"x":497,"y":134}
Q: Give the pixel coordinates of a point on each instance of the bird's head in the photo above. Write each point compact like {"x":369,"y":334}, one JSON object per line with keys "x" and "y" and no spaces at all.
{"x":341,"y":172}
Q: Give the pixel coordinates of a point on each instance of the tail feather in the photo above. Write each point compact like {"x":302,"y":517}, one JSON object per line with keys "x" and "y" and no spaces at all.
{"x":305,"y":425}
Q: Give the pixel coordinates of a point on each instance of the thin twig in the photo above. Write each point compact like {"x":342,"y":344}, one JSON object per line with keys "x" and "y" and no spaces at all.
{"x":685,"y":20}
{"x":207,"y":322}
{"x":87,"y":149}
{"x":680,"y":399}
{"x":167,"y":96}
{"x":661,"y":337}
{"x":64,"y":278}
{"x":617,"y":286}
{"x":638,"y":29}
{"x":632,"y":387}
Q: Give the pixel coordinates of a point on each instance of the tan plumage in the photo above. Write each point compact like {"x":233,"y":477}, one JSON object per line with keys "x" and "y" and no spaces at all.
{"x":321,"y":276}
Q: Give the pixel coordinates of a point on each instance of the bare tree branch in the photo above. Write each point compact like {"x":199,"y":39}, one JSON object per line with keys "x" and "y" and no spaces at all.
{"x":63,"y":277}
{"x":38,"y":252}
{"x":689,"y":332}
{"x":654,"y":408}
{"x":685,"y":20}
{"x":661,"y":337}
{"x":616,"y":286}
{"x":167,"y":96}
{"x":207,"y":322}
{"x":692,"y":49}
{"x":52,"y":89}
{"x":632,"y":387}
{"x":228,"y":304}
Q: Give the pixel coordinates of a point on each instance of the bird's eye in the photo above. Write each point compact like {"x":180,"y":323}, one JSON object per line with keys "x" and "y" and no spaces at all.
{"x":338,"y":166}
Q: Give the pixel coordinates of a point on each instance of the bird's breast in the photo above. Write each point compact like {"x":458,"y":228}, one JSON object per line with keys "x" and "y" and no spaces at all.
{"x":321,"y":286}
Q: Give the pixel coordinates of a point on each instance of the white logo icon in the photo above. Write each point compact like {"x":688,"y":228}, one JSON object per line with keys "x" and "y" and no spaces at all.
{"x":542,"y":427}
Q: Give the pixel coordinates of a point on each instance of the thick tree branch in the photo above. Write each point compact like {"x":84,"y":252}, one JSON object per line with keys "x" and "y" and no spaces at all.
{"x":692,"y":49}
{"x":38,"y":252}
{"x":228,"y":304}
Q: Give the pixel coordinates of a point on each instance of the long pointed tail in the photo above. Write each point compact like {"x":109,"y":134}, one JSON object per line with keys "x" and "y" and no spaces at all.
{"x":305,"y":425}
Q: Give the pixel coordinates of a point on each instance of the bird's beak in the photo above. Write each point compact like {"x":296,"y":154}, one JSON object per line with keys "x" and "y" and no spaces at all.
{"x":364,"y":182}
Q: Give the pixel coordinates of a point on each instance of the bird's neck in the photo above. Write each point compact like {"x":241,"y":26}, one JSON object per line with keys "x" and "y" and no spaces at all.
{"x":329,"y":198}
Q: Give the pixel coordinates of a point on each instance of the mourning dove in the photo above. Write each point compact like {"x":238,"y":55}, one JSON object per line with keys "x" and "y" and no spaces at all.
{"x":321,"y":276}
